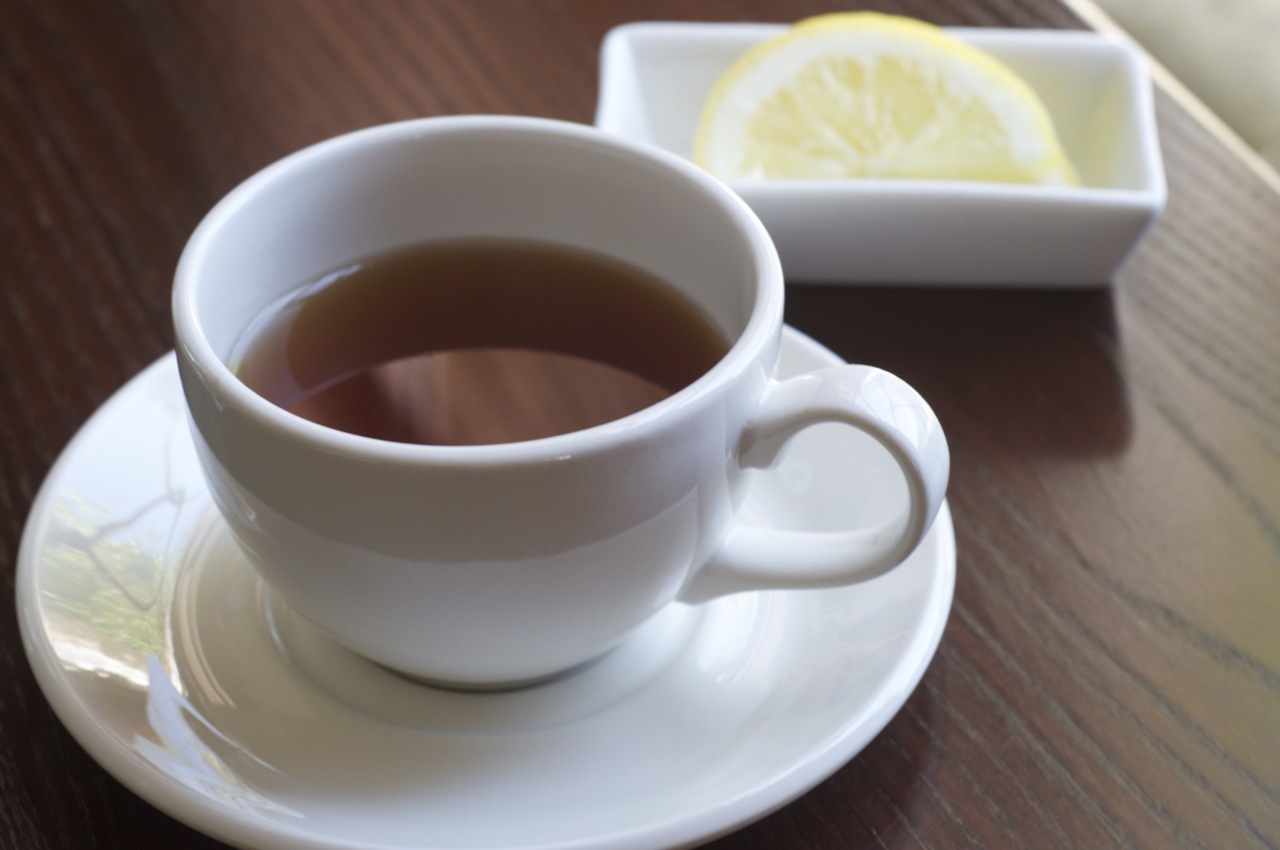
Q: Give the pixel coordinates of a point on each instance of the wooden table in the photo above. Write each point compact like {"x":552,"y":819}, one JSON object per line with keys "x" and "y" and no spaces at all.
{"x":1110,"y":675}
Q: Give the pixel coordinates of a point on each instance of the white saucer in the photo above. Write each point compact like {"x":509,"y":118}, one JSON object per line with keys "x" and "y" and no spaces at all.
{"x":181,"y":674}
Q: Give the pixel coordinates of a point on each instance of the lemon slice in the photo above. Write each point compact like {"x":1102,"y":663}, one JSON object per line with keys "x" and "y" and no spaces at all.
{"x":861,"y":94}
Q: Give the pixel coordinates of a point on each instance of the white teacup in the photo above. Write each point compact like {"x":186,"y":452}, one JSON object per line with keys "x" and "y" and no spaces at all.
{"x":496,"y":565}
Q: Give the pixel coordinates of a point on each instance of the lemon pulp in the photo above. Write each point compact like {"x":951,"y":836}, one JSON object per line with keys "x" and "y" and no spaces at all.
{"x":861,"y":94}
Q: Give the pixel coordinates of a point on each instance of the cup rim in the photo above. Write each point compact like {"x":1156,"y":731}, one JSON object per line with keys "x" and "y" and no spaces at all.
{"x":764,"y":320}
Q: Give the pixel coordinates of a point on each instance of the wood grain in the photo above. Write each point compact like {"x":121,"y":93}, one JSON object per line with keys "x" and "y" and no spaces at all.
{"x":1110,"y":676}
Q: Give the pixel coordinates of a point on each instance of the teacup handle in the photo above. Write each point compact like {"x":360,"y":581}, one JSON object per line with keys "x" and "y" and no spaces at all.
{"x":871,"y":400}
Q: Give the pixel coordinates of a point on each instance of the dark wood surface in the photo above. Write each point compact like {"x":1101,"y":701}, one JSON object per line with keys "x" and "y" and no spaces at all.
{"x":1110,"y":676}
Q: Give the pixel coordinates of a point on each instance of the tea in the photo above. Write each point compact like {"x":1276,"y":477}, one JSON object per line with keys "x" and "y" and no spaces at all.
{"x":477,"y":341}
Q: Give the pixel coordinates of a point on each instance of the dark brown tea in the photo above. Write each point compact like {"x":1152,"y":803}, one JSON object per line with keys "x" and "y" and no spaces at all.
{"x":478,"y":341}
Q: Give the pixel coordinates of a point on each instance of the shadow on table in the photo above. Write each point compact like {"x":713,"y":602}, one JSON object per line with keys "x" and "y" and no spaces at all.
{"x":1039,"y":372}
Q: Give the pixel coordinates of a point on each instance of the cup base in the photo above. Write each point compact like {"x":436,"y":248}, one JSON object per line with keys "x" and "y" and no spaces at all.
{"x":226,"y":579}
{"x":495,"y":687}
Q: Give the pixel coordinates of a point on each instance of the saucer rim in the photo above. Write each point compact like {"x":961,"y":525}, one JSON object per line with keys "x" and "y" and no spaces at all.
{"x":244,"y":829}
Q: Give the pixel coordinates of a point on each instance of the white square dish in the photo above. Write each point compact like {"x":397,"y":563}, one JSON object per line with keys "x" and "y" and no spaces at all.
{"x":655,"y":76}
